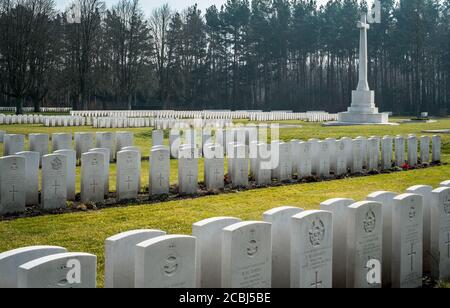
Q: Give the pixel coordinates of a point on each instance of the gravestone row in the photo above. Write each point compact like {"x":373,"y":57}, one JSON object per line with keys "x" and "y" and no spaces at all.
{"x":264,"y":163}
{"x":382,"y":242}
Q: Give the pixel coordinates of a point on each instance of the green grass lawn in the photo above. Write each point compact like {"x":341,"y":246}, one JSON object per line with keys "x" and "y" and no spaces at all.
{"x":87,"y":231}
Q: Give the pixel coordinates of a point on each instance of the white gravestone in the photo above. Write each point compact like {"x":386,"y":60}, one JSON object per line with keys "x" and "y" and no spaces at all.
{"x":92,"y":177}
{"x":83,"y":143}
{"x":407,"y":241}
{"x":304,"y":161}
{"x":315,"y":155}
{"x":214,"y":168}
{"x":62,"y":141}
{"x":386,"y":152}
{"x":332,"y":147}
{"x":187,"y":172}
{"x":445,"y":184}
{"x":247,"y":256}
{"x":440,"y":233}
{"x":436,"y":149}
{"x":105,"y":152}
{"x":71,"y":158}
{"x":128,"y":175}
{"x":159,"y":171}
{"x":120,"y":256}
{"x":11,"y":260}
{"x":339,"y":208}
{"x":364,"y":244}
{"x":364,"y":150}
{"x":54,"y":182}
{"x":209,"y":250}
{"x":312,"y":250}
{"x":324,"y":160}
{"x":358,"y":156}
{"x":32,"y":177}
{"x":281,"y":218}
{"x":412,"y":151}
{"x":387,"y":200}
{"x":263,"y":173}
{"x":166,"y":262}
{"x":348,"y":144}
{"x":123,"y":139}
{"x":295,"y":155}
{"x":283,"y":169}
{"x":425,"y":192}
{"x":373,"y":152}
{"x":107,"y":140}
{"x":240,"y":167}
{"x":64,"y":270}
{"x":341,"y":159}
{"x":399,"y":151}
{"x":425,"y":142}
{"x":12,"y":188}
{"x":39,"y":143}
{"x":13,"y":144}
{"x":157,"y":137}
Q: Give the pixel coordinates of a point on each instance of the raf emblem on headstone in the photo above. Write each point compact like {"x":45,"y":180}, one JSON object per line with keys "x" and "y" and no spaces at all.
{"x":56,"y":164}
{"x":14,"y":166}
{"x":317,"y":233}
{"x":412,"y":213}
{"x":252,"y":248}
{"x":370,"y":222}
{"x":171,"y":263}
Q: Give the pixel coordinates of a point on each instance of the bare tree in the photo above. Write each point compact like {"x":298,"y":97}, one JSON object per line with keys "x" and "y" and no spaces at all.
{"x":23,"y":28}
{"x":128,"y":38}
{"x":159,"y":25}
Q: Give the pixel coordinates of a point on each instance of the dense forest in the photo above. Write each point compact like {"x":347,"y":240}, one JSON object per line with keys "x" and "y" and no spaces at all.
{"x":246,"y":54}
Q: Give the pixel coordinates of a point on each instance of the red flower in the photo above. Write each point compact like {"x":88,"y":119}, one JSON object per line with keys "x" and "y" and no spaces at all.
{"x":406,"y":167}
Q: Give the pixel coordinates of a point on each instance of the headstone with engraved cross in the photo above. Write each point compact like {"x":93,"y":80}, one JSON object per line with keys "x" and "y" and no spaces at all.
{"x":107,"y":154}
{"x":54,"y":182}
{"x":159,"y":171}
{"x":436,"y":148}
{"x":187,"y":171}
{"x":166,"y":262}
{"x":364,"y":243}
{"x":407,"y":241}
{"x":12,"y":184}
{"x":92,"y":177}
{"x":281,"y":219}
{"x":32,"y":160}
{"x":71,"y":156}
{"x":128,"y":174}
{"x":240,"y":168}
{"x":13,"y":144}
{"x":312,"y":250}
{"x":440,"y":233}
{"x":246,"y":255}
{"x":214,"y":167}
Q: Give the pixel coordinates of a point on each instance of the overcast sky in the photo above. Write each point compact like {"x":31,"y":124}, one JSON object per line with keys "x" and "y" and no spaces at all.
{"x":149,"y":5}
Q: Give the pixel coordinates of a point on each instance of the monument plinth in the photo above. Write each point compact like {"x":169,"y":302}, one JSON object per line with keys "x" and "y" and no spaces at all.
{"x":362,"y":110}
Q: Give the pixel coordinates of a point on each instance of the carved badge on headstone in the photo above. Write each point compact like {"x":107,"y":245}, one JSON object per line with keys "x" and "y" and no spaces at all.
{"x":412,"y":213}
{"x":317,"y":232}
{"x":56,"y":164}
{"x":370,"y":222}
{"x":171,"y":264}
{"x":252,"y":247}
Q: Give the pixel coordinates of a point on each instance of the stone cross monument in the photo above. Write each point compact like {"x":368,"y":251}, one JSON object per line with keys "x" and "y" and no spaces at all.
{"x":363,"y":109}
